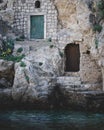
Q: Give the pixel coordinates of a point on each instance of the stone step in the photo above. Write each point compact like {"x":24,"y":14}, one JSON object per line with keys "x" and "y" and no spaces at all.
{"x":93,"y":95}
{"x":81,"y":87}
{"x":71,"y":87}
{"x":68,"y":81}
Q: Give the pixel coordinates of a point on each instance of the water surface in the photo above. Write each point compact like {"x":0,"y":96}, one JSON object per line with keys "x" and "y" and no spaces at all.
{"x":50,"y":120}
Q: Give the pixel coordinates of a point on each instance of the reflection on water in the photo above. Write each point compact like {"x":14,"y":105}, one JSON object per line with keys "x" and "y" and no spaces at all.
{"x":50,"y":120}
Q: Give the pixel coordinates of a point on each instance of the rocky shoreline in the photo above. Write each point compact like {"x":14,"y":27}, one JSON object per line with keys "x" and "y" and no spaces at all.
{"x":84,"y":101}
{"x":40,"y":83}
{"x":39,"y":79}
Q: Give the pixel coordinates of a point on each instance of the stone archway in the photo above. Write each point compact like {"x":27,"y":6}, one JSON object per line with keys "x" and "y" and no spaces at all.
{"x":72,"y":58}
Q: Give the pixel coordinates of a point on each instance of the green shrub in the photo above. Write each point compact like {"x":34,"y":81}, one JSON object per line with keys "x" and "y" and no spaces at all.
{"x":27,"y":78}
{"x":51,"y":46}
{"x":61,"y":54}
{"x":18,"y":39}
{"x":13,"y":58}
{"x":100,"y":11}
{"x":97,"y":28}
{"x":20,"y":50}
{"x":22,"y":64}
{"x":100,"y":5}
{"x":101,"y":14}
{"x":7,"y":47}
{"x":96,"y":43}
{"x":6,"y":51}
{"x":49,"y":39}
{"x":98,"y":15}
{"x":21,"y":38}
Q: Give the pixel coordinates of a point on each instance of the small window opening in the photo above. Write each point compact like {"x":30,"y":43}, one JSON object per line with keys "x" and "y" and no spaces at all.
{"x":1,"y":1}
{"x":87,"y":52}
{"x":37,"y":4}
{"x":72,"y":58}
{"x":23,"y":1}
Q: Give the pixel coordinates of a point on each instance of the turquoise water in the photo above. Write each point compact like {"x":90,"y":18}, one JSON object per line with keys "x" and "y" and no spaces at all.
{"x":50,"y":120}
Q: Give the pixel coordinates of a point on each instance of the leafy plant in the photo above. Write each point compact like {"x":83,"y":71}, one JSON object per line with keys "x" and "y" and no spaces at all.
{"x":96,"y":43}
{"x":22,"y":64}
{"x":13,"y":58}
{"x":100,"y":7}
{"x":97,"y":28}
{"x":6,"y":47}
{"x":50,"y":39}
{"x":20,"y":50}
{"x":61,"y":54}
{"x":98,"y":15}
{"x":51,"y":46}
{"x":26,"y":77}
{"x":6,"y":50}
{"x":21,"y":38}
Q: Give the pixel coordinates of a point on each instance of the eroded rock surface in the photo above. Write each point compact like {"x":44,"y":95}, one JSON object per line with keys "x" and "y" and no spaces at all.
{"x":6,"y":74}
{"x":36,"y":80}
{"x":43,"y":74}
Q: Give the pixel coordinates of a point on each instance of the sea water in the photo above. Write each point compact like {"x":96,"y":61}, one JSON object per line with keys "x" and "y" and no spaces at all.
{"x":50,"y":120}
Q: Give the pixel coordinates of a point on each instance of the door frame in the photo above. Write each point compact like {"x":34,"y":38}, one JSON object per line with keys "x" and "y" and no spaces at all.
{"x":29,"y":24}
{"x":66,"y":59}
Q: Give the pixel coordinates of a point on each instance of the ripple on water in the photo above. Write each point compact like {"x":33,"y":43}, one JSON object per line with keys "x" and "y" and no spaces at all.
{"x":50,"y":120}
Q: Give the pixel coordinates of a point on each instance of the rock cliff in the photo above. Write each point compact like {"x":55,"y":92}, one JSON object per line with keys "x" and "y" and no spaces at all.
{"x":40,"y":77}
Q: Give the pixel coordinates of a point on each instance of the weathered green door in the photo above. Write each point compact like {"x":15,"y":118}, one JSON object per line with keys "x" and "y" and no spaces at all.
{"x":37,"y":27}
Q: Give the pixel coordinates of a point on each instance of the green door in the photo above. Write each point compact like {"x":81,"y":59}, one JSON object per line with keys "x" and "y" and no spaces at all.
{"x":37,"y":27}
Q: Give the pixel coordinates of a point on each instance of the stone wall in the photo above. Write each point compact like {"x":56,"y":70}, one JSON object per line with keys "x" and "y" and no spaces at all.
{"x":90,"y":71}
{"x":24,"y":9}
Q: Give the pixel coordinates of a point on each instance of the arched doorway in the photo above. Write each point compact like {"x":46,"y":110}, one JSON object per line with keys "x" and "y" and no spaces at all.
{"x":72,"y":58}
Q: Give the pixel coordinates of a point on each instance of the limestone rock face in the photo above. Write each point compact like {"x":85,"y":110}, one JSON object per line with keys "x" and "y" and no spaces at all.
{"x":100,"y":53}
{"x":74,"y":21}
{"x":6,"y":12}
{"x":42,"y":68}
{"x":6,"y":73}
{"x":6,"y":97}
{"x":36,"y":80}
{"x":6,"y":17}
{"x":102,"y":68}
{"x":3,"y":4}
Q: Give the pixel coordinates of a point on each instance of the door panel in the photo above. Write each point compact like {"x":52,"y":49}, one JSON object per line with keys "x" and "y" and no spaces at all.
{"x":72,"y":61}
{"x":37,"y":27}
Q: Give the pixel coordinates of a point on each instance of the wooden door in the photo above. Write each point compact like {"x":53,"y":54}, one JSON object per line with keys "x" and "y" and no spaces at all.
{"x":72,"y":60}
{"x":37,"y":27}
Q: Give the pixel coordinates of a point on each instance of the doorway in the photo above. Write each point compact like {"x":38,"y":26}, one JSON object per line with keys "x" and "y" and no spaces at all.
{"x":72,"y":58}
{"x":37,"y":27}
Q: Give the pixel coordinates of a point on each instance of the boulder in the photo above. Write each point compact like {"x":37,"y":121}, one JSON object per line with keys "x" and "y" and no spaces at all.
{"x":36,"y":80}
{"x":6,"y":100}
{"x":6,"y":73}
